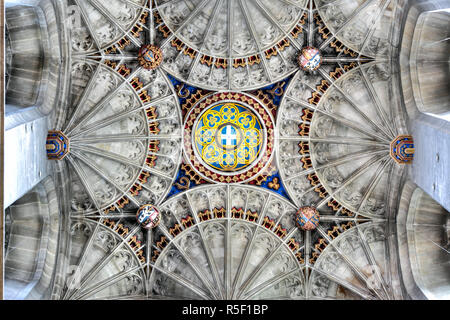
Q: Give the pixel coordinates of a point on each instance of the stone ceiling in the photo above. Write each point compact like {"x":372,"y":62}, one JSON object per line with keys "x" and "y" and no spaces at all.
{"x":313,"y":133}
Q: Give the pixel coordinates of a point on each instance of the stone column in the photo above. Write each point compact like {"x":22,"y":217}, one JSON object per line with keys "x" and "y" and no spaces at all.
{"x":423,"y":241}
{"x":26,"y":44}
{"x":423,"y":59}
{"x":36,"y":87}
{"x":25,"y":156}
{"x":32,"y":231}
{"x":430,"y":169}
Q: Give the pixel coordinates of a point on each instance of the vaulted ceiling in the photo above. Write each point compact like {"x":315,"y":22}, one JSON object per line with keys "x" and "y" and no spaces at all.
{"x":319,"y":137}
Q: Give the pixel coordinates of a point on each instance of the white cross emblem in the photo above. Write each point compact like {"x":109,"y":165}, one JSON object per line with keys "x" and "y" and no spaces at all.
{"x":229,"y":137}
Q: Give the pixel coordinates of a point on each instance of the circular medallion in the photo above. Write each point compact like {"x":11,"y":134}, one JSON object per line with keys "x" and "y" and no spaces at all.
{"x":307,"y":218}
{"x":229,"y":137}
{"x":148,"y":216}
{"x":310,"y":59}
{"x":150,"y":56}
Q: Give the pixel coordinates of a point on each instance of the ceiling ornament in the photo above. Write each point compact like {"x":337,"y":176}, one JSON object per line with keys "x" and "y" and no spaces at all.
{"x":191,"y":96}
{"x":150,"y":57}
{"x":402,"y":149}
{"x":229,"y":137}
{"x":307,"y":218}
{"x":310,"y":59}
{"x":274,"y":184}
{"x":148,"y":216}
{"x":57,"y":146}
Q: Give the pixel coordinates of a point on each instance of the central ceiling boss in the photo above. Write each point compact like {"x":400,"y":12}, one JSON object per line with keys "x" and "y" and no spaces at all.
{"x":229,"y":137}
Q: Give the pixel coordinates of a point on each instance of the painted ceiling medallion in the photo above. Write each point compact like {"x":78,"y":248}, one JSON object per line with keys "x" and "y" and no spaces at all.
{"x":228,"y":137}
{"x":148,"y":216}
{"x":310,"y":59}
{"x":57,"y":145}
{"x":150,"y":56}
{"x":402,"y":149}
{"x":307,"y":218}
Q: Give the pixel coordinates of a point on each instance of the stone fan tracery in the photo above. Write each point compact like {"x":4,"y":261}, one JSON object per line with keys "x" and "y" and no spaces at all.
{"x":230,"y":44}
{"x":107,"y":260}
{"x":125,"y":150}
{"x":225,"y":241}
{"x":228,"y":242}
{"x":358,"y":24}
{"x":98,"y":24}
{"x":336,"y":156}
{"x":216,"y":225}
